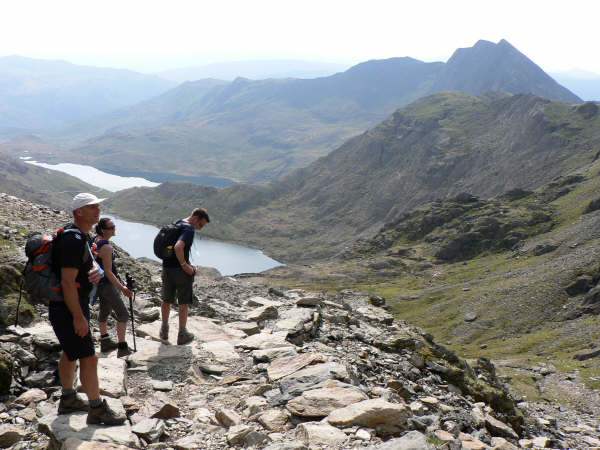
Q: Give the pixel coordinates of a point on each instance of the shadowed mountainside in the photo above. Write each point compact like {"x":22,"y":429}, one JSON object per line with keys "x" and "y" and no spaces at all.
{"x":437,"y":147}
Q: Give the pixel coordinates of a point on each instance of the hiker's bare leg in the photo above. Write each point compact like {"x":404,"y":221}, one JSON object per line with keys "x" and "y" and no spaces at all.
{"x":183,"y":316}
{"x":89,"y":376}
{"x":165,"y":309}
{"x":66,"y":371}
{"x":121,"y":327}
{"x":103,"y":328}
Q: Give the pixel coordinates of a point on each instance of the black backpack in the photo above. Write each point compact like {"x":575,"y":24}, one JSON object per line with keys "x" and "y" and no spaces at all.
{"x":165,"y":241}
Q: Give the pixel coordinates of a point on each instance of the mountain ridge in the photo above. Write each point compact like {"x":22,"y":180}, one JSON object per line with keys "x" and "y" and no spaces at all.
{"x":254,"y":131}
{"x":436,"y":147}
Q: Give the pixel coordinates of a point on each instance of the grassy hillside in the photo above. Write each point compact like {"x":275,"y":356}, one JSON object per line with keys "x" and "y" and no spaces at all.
{"x":518,"y":284}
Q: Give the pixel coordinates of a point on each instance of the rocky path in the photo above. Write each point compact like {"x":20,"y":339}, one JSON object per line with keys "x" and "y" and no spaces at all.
{"x":276,"y":370}
{"x":270,"y":369}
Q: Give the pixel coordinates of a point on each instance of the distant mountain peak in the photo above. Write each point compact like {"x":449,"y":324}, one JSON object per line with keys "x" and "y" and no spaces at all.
{"x":489,"y":66}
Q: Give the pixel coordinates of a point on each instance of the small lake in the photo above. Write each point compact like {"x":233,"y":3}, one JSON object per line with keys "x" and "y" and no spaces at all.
{"x":229,"y":259}
{"x":95,"y":177}
{"x":138,"y":238}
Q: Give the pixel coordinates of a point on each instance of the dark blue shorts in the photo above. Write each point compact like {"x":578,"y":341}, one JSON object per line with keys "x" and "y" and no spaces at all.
{"x":75,"y":347}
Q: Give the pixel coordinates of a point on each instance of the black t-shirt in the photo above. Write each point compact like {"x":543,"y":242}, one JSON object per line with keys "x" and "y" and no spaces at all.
{"x":70,"y":250}
{"x":187,"y":236}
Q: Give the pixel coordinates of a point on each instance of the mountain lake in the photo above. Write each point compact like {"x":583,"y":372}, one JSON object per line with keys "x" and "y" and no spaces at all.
{"x":137,"y":238}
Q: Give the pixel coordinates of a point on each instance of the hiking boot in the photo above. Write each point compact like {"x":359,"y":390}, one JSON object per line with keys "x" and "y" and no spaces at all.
{"x":164,"y":332}
{"x":103,"y":414}
{"x":122,"y":352}
{"x":107,"y":345}
{"x":184,"y":337}
{"x":72,"y":403}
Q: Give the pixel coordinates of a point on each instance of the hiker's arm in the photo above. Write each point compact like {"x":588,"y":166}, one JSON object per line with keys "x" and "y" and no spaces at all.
{"x":106,"y":254}
{"x":69,"y":289}
{"x":187,"y":268}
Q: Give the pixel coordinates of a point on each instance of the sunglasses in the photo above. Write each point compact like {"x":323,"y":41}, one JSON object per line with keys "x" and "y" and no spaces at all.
{"x":109,"y":228}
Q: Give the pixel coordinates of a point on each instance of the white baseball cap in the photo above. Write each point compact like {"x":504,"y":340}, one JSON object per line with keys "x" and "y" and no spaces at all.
{"x":84,"y":199}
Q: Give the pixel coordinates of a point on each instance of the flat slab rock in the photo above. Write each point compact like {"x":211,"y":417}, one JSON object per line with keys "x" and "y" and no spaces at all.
{"x":264,"y":340}
{"x":112,"y":376}
{"x":204,"y":330}
{"x":410,"y":441}
{"x":320,"y":402}
{"x":271,"y":354}
{"x":77,"y":444}
{"x":261,"y":301}
{"x":153,"y":352}
{"x":293,"y":320}
{"x":222,"y":351}
{"x":370,"y":413}
{"x":312,"y":377}
{"x":320,"y":433}
{"x":65,"y":426}
{"x":376,"y":315}
{"x":287,"y":365}
{"x":43,"y":336}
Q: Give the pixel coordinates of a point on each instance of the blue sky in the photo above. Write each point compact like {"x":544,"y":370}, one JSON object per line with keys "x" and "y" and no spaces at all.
{"x":152,"y":35}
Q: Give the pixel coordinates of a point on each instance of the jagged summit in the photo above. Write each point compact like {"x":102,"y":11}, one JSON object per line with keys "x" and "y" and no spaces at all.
{"x":498,"y":67}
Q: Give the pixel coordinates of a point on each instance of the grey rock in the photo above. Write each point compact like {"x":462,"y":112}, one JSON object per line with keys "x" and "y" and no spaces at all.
{"x":212,"y":369}
{"x":270,"y":354}
{"x":320,"y":433}
{"x":149,"y":429}
{"x":237,"y":434}
{"x":44,"y":379}
{"x":162,"y":385}
{"x":287,"y":445}
{"x":413,"y":440}
{"x":312,"y":377}
{"x":262,"y":313}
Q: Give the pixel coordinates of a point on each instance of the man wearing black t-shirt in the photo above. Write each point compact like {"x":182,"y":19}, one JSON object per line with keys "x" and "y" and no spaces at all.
{"x":178,"y":276}
{"x":74,"y":265}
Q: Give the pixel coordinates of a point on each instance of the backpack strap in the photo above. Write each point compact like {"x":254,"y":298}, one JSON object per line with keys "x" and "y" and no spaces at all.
{"x":92,"y":296}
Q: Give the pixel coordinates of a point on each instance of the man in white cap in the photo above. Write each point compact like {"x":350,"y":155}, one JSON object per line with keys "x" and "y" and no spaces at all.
{"x":74,"y":266}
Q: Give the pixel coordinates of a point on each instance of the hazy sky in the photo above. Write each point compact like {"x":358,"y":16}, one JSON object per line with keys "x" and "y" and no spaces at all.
{"x":154,"y":35}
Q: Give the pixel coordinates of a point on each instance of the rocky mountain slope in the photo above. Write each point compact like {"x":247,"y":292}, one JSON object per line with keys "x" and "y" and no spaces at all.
{"x":272,"y":368}
{"x":437,"y":147}
{"x":252,"y":131}
{"x":40,"y":94}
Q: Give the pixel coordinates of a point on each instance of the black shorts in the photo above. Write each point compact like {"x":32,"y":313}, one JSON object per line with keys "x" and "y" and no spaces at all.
{"x":75,"y":347}
{"x":177,"y":283}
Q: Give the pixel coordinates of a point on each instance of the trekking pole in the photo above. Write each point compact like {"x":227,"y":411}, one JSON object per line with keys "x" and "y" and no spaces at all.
{"x":19,"y":302}
{"x":131,"y":286}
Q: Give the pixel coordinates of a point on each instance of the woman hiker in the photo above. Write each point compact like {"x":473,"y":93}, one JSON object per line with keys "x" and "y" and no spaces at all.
{"x":108,"y":290}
